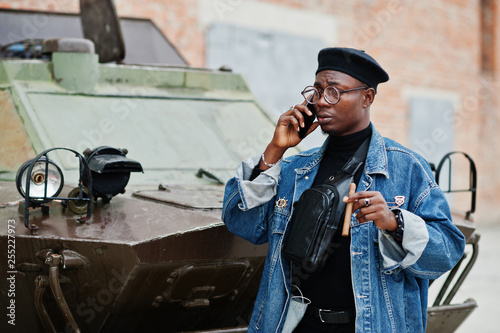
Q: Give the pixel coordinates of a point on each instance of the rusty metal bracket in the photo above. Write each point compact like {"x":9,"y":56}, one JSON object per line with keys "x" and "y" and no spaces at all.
{"x":41,"y":282}
{"x":73,"y":259}
{"x":199,"y":297}
{"x":54,"y":260}
{"x":219,"y":280}
{"x":66,"y":259}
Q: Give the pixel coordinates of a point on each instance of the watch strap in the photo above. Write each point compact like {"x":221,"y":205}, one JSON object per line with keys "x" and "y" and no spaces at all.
{"x":398,"y":233}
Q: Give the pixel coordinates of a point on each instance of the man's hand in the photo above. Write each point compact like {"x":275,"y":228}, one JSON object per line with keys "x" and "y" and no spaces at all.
{"x":373,"y":207}
{"x":286,"y":133}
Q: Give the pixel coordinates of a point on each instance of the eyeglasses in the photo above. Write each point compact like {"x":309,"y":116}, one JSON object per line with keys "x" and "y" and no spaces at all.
{"x":312,"y":95}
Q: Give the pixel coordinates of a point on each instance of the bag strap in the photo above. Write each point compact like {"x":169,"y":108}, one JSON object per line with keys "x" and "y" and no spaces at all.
{"x":355,"y":162}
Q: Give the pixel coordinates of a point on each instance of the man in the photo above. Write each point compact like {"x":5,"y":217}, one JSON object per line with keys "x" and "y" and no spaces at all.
{"x":401,"y":233}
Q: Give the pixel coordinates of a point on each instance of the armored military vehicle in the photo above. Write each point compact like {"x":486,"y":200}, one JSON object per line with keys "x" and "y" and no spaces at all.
{"x":80,"y":253}
{"x":111,"y":186}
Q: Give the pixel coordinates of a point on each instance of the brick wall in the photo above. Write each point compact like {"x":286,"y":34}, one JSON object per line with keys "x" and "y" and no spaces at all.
{"x":429,"y":48}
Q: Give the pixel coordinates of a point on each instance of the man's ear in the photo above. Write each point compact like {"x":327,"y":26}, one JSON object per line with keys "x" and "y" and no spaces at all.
{"x":369,"y":97}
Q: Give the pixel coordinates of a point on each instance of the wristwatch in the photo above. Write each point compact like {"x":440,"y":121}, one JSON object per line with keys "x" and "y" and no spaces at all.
{"x":398,"y":233}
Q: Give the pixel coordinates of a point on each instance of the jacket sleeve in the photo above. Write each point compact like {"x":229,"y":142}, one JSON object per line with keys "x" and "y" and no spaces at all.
{"x":432,"y":244}
{"x":247,"y":204}
{"x":446,"y":243}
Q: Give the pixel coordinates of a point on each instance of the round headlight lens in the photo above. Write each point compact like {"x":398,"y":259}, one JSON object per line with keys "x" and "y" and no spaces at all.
{"x":53,"y":178}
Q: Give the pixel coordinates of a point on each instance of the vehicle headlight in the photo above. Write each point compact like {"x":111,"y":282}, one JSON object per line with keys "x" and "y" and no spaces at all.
{"x":110,"y":170}
{"x":45,"y":180}
{"x":40,"y":181}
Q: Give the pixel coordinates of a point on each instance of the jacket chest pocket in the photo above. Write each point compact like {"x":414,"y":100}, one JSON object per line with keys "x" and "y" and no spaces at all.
{"x":279,"y":220}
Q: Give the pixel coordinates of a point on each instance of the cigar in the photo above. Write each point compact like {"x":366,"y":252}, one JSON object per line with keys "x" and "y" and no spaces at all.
{"x":348,"y":212}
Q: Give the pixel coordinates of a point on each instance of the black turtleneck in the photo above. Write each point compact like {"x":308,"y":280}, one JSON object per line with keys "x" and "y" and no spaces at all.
{"x":331,"y":288}
{"x":338,"y":152}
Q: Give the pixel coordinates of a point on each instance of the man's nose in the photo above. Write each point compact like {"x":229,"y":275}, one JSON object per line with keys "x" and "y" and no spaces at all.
{"x":322,"y":101}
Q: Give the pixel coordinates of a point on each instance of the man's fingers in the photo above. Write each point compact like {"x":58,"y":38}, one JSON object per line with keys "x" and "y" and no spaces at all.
{"x":366,"y":214}
{"x":303,"y":108}
{"x":357,"y":196}
{"x":371,"y":206}
{"x":298,"y":112}
{"x":366,"y":201}
{"x":292,"y":120}
{"x":299,"y":116}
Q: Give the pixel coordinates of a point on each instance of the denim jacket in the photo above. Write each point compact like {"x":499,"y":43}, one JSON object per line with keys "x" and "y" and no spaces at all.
{"x":390,"y":280}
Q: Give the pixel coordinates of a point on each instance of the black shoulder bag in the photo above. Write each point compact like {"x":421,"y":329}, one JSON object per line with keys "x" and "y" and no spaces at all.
{"x":318,"y":215}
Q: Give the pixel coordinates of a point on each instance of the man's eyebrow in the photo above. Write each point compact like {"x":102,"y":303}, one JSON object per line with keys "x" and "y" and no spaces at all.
{"x":328,"y":83}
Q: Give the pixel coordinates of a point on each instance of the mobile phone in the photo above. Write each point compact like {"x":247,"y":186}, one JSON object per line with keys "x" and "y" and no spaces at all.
{"x":308,"y":120}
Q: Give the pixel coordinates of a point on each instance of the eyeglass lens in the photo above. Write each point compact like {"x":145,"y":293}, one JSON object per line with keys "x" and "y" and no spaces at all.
{"x":313,"y":95}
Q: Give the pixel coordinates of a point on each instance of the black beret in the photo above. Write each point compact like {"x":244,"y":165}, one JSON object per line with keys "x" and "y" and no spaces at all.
{"x":354,"y":62}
